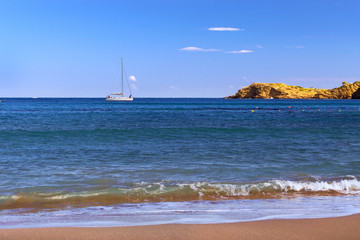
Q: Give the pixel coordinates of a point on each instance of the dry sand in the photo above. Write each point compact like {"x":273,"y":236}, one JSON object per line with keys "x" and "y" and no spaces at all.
{"x":346,"y":228}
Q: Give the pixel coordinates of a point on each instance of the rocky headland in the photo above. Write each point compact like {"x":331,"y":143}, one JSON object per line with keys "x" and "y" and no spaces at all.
{"x":283,"y":91}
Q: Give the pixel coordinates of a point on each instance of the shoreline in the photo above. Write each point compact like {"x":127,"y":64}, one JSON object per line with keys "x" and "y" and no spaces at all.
{"x":346,"y":227}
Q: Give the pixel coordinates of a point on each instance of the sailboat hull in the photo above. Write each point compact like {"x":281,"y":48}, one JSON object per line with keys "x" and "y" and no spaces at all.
{"x":119,"y":99}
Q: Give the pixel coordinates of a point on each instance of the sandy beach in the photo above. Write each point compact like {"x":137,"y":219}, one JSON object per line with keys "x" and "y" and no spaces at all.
{"x":325,"y":228}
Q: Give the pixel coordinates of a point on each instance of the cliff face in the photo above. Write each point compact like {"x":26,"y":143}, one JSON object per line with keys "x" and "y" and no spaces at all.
{"x":356,"y":95}
{"x":283,"y":91}
{"x":346,"y":91}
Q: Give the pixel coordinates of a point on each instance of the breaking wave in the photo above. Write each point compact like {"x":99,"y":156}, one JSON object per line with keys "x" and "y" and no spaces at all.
{"x":171,"y":191}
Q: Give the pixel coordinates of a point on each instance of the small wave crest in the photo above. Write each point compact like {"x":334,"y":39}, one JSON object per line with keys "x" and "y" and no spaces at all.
{"x":345,"y":186}
{"x":171,"y":191}
{"x":277,"y":187}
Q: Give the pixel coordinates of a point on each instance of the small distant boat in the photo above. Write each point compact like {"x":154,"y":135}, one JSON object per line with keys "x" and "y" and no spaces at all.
{"x":119,"y":97}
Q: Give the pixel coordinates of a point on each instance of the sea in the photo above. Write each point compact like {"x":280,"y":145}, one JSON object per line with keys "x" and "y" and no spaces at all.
{"x":87,"y":162}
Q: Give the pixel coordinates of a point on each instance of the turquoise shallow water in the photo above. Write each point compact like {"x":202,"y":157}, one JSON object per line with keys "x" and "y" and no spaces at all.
{"x":60,"y":154}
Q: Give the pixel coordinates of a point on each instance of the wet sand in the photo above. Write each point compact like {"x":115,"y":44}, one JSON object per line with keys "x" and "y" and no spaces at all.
{"x":326,"y":228}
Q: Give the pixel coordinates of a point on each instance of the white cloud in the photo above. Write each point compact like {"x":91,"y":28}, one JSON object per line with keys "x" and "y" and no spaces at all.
{"x":241,"y":51}
{"x":132,"y":78}
{"x":133,"y":86}
{"x":197,"y":49}
{"x":174,"y":87}
{"x":259,"y":46}
{"x":222,"y":29}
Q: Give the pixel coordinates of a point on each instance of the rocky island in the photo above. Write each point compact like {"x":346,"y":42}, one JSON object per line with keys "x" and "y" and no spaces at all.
{"x":283,"y":91}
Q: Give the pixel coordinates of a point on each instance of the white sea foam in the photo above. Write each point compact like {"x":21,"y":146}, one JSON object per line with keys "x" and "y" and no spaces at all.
{"x":345,"y":186}
{"x":9,"y":197}
{"x":76,"y":194}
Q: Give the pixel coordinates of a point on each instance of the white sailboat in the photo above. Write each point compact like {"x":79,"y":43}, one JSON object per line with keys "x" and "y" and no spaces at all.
{"x":120,"y":95}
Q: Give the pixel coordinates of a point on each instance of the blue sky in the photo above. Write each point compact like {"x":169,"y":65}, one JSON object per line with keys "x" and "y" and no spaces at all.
{"x":73,"y":48}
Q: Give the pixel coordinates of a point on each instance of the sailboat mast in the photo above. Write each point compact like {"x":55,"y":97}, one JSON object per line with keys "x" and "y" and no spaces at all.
{"x":122,"y":78}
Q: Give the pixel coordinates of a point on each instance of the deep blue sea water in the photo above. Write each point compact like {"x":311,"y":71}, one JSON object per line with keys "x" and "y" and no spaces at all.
{"x":91,"y":162}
